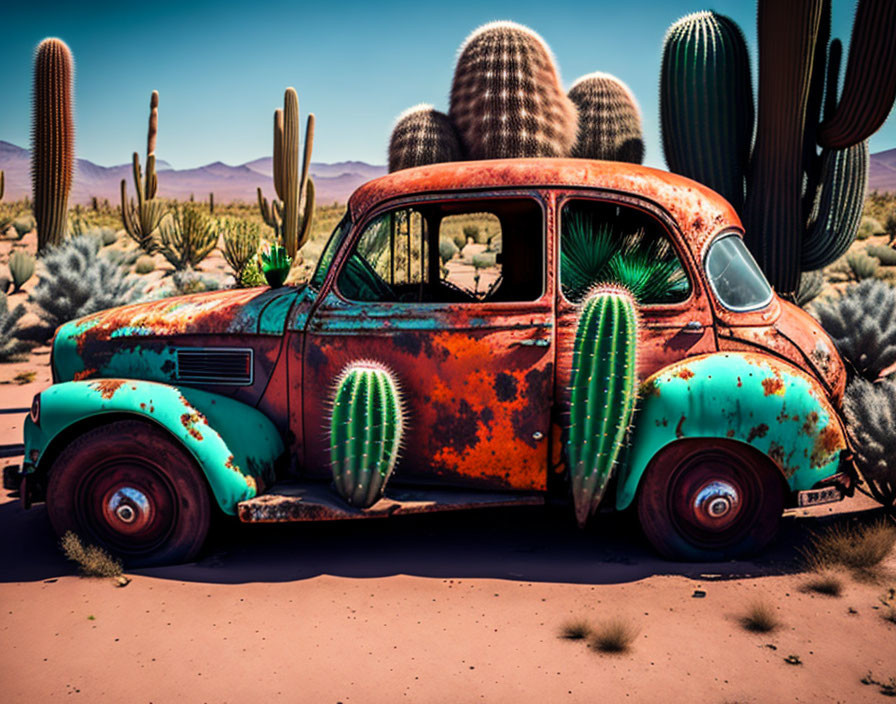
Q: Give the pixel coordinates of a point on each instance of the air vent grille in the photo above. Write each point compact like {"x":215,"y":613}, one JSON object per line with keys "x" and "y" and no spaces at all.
{"x":215,"y":365}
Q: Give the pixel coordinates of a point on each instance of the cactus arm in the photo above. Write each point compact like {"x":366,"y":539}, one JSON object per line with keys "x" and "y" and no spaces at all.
{"x":306,"y":156}
{"x":308,"y":215}
{"x":278,"y":153}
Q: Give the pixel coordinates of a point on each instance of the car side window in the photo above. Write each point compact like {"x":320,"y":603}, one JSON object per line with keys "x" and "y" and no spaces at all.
{"x":461,"y":251}
{"x":604,"y":242}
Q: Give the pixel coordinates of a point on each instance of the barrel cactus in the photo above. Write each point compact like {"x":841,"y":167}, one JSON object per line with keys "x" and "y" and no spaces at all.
{"x":53,"y":140}
{"x":21,"y":266}
{"x":609,"y":119}
{"x":506,"y":98}
{"x":602,"y":394}
{"x":422,"y":135}
{"x":366,"y":426}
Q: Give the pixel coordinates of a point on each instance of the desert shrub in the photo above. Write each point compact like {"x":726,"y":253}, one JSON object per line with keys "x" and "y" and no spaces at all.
{"x":145,"y":264}
{"x":862,"y":323}
{"x":576,"y":629}
{"x":91,"y":560}
{"x":23,"y":226}
{"x":860,"y":266}
{"x":187,"y":237}
{"x":890,"y":227}
{"x":77,"y":280}
{"x":241,"y":241}
{"x":459,"y":241}
{"x":871,"y":419}
{"x":11,"y":348}
{"x":191,"y":281}
{"x":252,"y":276}
{"x":760,"y":617}
{"x":447,"y":251}
{"x":471,"y":231}
{"x":811,"y":284}
{"x":613,"y":636}
{"x":860,"y":548}
{"x":824,"y":581}
{"x":885,"y":255}
{"x":125,"y":258}
{"x":868,"y":227}
{"x":107,"y":236}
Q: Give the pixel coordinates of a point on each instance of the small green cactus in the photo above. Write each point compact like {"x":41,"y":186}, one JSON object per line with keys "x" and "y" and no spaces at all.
{"x":275,"y":265}
{"x":422,"y":135}
{"x":366,"y":428}
{"x":187,"y":237}
{"x":21,"y":266}
{"x":609,"y":119}
{"x":602,"y":394}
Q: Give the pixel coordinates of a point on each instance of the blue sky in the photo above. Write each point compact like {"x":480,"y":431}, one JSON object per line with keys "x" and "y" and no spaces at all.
{"x":221,"y":68}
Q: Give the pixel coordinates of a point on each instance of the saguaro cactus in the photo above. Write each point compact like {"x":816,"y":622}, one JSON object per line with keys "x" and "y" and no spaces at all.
{"x":609,"y":119}
{"x":290,"y":216}
{"x":53,"y":140}
{"x":603,"y":393}
{"x":141,"y":221}
{"x":366,"y":429}
{"x":422,"y":135}
{"x":507,"y":99}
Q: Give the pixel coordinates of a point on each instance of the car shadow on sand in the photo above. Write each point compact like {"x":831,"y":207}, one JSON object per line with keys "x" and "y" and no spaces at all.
{"x":531,"y":544}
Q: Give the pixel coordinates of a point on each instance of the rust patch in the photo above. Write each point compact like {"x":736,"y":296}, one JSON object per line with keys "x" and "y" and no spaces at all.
{"x":757,"y":431}
{"x":773,"y":386}
{"x":685,"y":373}
{"x":730,"y":433}
{"x":649,"y":388}
{"x":739,"y":382}
{"x":107,"y":387}
{"x":827,"y":443}
{"x":505,"y":387}
{"x":811,"y":421}
{"x":679,"y":433}
{"x":188,"y":420}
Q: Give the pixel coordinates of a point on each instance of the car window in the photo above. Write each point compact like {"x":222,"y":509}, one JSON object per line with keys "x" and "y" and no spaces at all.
{"x":608,"y":243}
{"x":451,"y":252}
{"x":326,"y":257}
{"x":734,"y":275}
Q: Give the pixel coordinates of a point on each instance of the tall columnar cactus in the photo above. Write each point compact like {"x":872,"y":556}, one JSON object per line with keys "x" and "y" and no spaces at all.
{"x":706,"y":102}
{"x":422,"y":135}
{"x":53,"y":140}
{"x":506,"y":97}
{"x":603,"y":393}
{"x":290,"y":216}
{"x":609,"y":119}
{"x":141,"y":221}
{"x":366,"y":429}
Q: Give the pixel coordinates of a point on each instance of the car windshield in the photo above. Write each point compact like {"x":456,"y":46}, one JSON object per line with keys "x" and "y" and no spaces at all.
{"x":326,"y":257}
{"x":736,"y":279}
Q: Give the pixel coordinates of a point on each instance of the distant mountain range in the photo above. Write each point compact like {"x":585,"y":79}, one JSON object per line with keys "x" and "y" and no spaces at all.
{"x":333,"y":182}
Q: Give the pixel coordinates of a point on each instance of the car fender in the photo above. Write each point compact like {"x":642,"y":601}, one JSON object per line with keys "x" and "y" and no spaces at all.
{"x":756,"y":399}
{"x":234,"y":445}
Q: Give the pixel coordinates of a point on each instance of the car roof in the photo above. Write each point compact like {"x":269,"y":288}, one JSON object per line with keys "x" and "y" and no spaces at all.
{"x":699,"y":211}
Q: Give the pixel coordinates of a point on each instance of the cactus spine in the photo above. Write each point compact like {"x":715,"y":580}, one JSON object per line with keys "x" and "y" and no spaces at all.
{"x":291,"y":216}
{"x":366,"y":429}
{"x":609,"y":119}
{"x":506,"y":97}
{"x":141,"y":221}
{"x":21,"y":266}
{"x":602,"y":394}
{"x":706,"y":103}
{"x":422,"y":135}
{"x":53,"y":140}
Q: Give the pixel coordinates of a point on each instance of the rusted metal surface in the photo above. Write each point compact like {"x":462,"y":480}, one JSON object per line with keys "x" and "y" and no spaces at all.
{"x":317,"y":502}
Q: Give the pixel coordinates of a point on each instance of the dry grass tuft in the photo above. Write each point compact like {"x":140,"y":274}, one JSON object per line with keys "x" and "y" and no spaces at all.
{"x":576,"y":629}
{"x":91,"y":560}
{"x":760,"y":618}
{"x":614,"y":636}
{"x":860,"y":548}
{"x":824,"y":581}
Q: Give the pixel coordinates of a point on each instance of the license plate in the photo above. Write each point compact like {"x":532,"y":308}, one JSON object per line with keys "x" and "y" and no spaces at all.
{"x":814,"y":497}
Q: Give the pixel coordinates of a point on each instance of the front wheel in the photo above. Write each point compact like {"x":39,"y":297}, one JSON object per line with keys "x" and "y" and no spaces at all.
{"x":706,"y":499}
{"x":131,"y":489}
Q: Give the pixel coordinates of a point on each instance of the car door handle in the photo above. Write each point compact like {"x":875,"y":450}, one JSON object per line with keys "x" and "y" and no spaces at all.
{"x":532,"y":342}
{"x":693,"y":326}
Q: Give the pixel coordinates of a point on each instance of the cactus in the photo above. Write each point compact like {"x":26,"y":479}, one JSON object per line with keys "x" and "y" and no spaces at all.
{"x":211,"y":203}
{"x":241,"y":241}
{"x":187,"y":237}
{"x":885,"y":255}
{"x":2,"y":183}
{"x":869,"y":227}
{"x":609,"y":119}
{"x":422,"y":135}
{"x":706,"y":102}
{"x":21,"y":266}
{"x":11,"y":348}
{"x":141,"y":221}
{"x":603,"y":391}
{"x":275,"y":265}
{"x":366,"y":427}
{"x":53,"y":140}
{"x":145,"y":265}
{"x":870,"y":411}
{"x":23,"y":226}
{"x":860,"y":266}
{"x":506,"y":96}
{"x":291,"y":216}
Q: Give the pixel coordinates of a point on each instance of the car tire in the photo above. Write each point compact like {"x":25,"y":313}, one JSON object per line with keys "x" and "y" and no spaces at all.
{"x":708,"y":499}
{"x":133,"y":490}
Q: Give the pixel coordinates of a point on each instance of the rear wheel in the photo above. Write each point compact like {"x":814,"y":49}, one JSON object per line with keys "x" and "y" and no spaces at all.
{"x":130,"y":488}
{"x":708,"y":499}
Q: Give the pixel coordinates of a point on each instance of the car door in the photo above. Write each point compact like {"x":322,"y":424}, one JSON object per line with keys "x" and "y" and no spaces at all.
{"x":450,"y":294}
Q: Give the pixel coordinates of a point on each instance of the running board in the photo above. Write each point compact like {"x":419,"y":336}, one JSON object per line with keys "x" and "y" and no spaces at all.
{"x":294,"y":501}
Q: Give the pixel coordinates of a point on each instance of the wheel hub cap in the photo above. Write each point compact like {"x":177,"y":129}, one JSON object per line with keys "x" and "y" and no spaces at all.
{"x":716,"y":504}
{"x":128,"y":509}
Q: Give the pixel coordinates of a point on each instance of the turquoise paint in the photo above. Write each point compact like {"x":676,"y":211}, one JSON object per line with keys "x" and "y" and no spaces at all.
{"x":234,"y":444}
{"x":764,"y":402}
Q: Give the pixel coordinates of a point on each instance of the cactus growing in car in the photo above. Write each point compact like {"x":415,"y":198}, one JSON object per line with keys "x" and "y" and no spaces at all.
{"x":506,"y":96}
{"x":609,"y":119}
{"x":422,"y":135}
{"x":53,"y":140}
{"x":275,"y":265}
{"x":141,"y":221}
{"x":366,"y":427}
{"x":21,"y":266}
{"x":603,"y":391}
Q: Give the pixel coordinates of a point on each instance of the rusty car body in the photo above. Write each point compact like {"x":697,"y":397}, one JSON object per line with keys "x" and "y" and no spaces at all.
{"x":738,"y":413}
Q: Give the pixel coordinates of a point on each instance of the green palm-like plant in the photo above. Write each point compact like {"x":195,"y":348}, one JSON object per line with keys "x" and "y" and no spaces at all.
{"x":275,"y":265}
